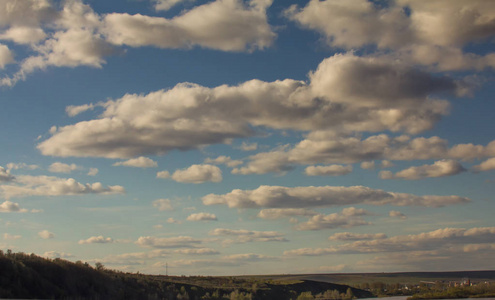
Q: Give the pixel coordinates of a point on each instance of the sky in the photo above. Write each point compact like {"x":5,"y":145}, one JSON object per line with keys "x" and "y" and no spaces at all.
{"x":232,"y":137}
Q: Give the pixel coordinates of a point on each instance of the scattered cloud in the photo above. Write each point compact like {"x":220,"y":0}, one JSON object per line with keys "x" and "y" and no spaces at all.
{"x":171,"y":242}
{"x":368,"y":165}
{"x":248,"y":146}
{"x":163,"y":204}
{"x":248,"y":236}
{"x":58,"y":167}
{"x":195,"y":174}
{"x":487,"y":165}
{"x":96,"y":240}
{"x":46,"y":235}
{"x":349,"y":217}
{"x":55,"y":254}
{"x":140,"y":162}
{"x":202,"y":217}
{"x":7,"y":207}
{"x":278,"y":213}
{"x":397,"y":214}
{"x":323,"y":196}
{"x":17,"y":166}
{"x":93,"y":171}
{"x":451,"y":239}
{"x":73,"y":110}
{"x":5,"y":175}
{"x":198,"y":251}
{"x":25,"y":186}
{"x":173,"y":221}
{"x":349,"y":236}
{"x":7,"y":236}
{"x":332,"y":170}
{"x":168,"y":4}
{"x":439,"y":168}
{"x":225,"y":160}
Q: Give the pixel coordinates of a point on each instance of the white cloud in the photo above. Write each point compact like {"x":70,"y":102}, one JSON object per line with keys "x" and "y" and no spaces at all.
{"x":349,"y":217}
{"x":368,"y":165}
{"x":450,"y":239}
{"x":439,"y":168}
{"x":6,"y":56}
{"x":227,"y":25}
{"x":55,"y":254}
{"x":24,"y":34}
{"x":432,"y":34}
{"x":96,"y":240}
{"x":277,"y":213}
{"x":163,"y":204}
{"x":163,"y":174}
{"x":58,"y":167}
{"x":349,"y":236}
{"x":139,"y":162}
{"x":73,"y":110}
{"x":487,"y":165}
{"x":17,"y":166}
{"x":322,"y":196}
{"x":45,"y":234}
{"x":5,"y":175}
{"x":248,"y":236}
{"x":342,"y":96}
{"x":25,"y":186}
{"x":397,"y":214}
{"x":331,"y":170}
{"x":171,"y":242}
{"x":248,"y":146}
{"x":202,"y":217}
{"x":168,"y":4}
{"x":173,"y":221}
{"x":198,"y":251}
{"x":93,"y":171}
{"x":7,"y":207}
{"x":197,"y":174}
{"x":7,"y":236}
{"x":226,"y":160}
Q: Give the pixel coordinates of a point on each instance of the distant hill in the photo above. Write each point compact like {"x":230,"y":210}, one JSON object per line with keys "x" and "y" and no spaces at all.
{"x":29,"y":276}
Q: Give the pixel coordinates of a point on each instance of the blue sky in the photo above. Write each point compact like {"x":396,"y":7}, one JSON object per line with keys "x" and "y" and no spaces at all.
{"x":249,"y":137}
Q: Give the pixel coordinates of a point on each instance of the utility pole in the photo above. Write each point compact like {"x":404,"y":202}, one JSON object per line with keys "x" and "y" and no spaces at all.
{"x":166,"y":269}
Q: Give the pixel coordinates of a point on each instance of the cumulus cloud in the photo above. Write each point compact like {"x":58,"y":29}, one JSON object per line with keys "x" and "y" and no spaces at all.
{"x":349,"y":217}
{"x":7,"y":207}
{"x":167,"y":4}
{"x":397,"y":214}
{"x":8,"y":236}
{"x":342,"y":95}
{"x":93,"y":171}
{"x":6,"y":56}
{"x":96,"y":240}
{"x":173,"y":221}
{"x":247,"y":236}
{"x":487,"y":165}
{"x":45,"y":234}
{"x":248,"y":146}
{"x":73,"y":110}
{"x":195,"y":174}
{"x":58,"y":167}
{"x":428,"y":35}
{"x":368,"y":165}
{"x":198,"y":251}
{"x":441,"y":168}
{"x":323,"y":196}
{"x":349,"y":236}
{"x":202,"y":217}
{"x":163,"y":204}
{"x":25,"y":186}
{"x":82,"y":37}
{"x":17,"y":166}
{"x":172,"y":242}
{"x":331,"y":170}
{"x":56,"y":254}
{"x":454,"y":239}
{"x":5,"y":175}
{"x":225,"y":160}
{"x":277,"y":213}
{"x":139,"y":162}
{"x":228,"y":25}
